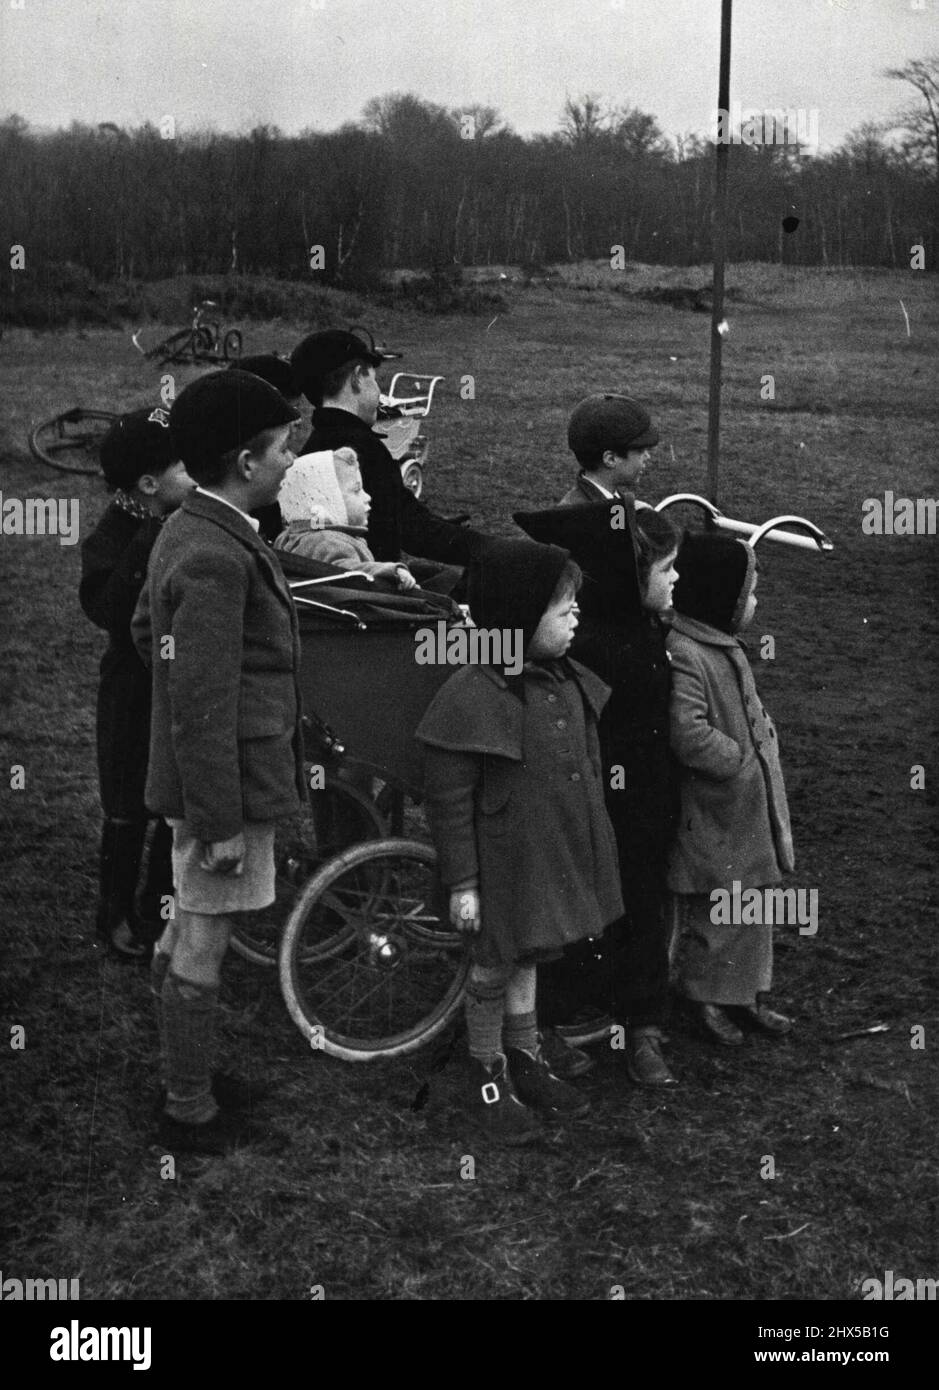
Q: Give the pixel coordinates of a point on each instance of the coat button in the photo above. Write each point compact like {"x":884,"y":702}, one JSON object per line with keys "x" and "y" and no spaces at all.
{"x":552,"y":699}
{"x":562,"y":723}
{"x":575,"y":776}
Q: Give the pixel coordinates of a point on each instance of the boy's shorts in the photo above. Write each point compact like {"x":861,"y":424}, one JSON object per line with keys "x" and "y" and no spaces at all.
{"x":216,"y":895}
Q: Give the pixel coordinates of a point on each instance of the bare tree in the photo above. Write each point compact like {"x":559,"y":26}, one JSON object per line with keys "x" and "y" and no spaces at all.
{"x":921,"y":121}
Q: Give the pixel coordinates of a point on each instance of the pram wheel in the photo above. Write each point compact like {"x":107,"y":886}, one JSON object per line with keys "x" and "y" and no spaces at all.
{"x":369,"y":965}
{"x":336,"y":816}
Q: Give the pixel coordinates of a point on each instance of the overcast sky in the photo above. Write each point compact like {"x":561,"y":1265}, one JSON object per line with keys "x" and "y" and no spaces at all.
{"x":300,"y":63}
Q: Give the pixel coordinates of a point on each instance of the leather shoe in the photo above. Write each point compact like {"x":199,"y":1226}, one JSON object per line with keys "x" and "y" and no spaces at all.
{"x":764,"y":1018}
{"x":644,"y":1061}
{"x":564,"y":1059}
{"x":718,"y":1026}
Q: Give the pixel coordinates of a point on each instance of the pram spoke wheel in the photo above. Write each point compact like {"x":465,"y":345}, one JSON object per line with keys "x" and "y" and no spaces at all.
{"x":336,"y":816}
{"x":369,"y":965}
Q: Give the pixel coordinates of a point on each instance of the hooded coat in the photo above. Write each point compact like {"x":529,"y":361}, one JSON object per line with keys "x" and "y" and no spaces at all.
{"x":625,"y":646}
{"x":513,"y":777}
{"x":734,"y":818}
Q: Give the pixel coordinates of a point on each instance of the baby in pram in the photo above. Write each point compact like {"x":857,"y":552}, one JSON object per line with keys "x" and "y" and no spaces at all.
{"x":325,"y":509}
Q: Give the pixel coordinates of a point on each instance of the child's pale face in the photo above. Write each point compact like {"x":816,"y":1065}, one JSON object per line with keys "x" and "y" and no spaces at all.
{"x":357,"y":500}
{"x":660,"y":585}
{"x":368,"y":392}
{"x":268,"y":466}
{"x":627,"y":469}
{"x":555,"y":632}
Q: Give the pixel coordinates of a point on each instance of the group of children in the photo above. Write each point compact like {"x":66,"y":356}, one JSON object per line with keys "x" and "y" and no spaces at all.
{"x":628,"y":768}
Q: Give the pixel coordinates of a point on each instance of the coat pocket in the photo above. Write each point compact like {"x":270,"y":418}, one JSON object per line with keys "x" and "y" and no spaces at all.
{"x":495,"y":809}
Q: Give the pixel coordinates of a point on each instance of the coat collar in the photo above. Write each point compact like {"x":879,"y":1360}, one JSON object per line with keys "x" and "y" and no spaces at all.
{"x":330,"y":417}
{"x":593,"y":689}
{"x":211,"y":509}
{"x":703,"y":632}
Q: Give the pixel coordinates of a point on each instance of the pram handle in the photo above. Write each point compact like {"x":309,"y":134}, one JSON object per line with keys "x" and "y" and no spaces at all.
{"x":331,"y":579}
{"x":816,"y":540}
{"x":328,"y":608}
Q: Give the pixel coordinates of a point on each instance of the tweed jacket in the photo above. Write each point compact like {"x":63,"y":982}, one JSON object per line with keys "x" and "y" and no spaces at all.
{"x":225,"y":742}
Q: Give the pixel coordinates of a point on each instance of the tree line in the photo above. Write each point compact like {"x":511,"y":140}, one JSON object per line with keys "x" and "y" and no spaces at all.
{"x":412,"y":184}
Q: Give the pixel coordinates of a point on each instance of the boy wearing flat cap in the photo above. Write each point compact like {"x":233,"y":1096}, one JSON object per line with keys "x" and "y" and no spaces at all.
{"x":225,"y":751}
{"x":336,"y":371}
{"x":147,"y":481}
{"x":610,"y":436}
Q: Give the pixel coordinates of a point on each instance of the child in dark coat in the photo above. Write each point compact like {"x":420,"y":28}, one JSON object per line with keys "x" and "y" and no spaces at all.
{"x":515,"y":803}
{"x":147,"y":482}
{"x":628,"y":559}
{"x":734,"y":821}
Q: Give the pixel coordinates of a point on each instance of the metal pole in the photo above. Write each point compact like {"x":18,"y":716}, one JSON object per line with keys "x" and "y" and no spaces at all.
{"x":719,"y":239}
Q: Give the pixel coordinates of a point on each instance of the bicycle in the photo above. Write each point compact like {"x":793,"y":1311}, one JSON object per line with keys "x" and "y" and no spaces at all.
{"x":70,"y":441}
{"x":203,"y":341}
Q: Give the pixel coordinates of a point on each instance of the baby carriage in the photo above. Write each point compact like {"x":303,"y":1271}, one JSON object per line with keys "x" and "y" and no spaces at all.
{"x":369,"y":964}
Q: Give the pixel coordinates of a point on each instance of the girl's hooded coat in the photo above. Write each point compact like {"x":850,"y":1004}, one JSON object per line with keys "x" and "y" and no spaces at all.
{"x":513,"y":777}
{"x":734,"y":818}
{"x":625,"y":646}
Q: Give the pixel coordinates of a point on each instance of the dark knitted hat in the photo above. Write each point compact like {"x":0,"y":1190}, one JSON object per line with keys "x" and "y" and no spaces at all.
{"x":600,"y":537}
{"x":223,"y":411}
{"x":510,"y":583}
{"x":273,"y":369}
{"x":715,"y":576}
{"x":137,"y":443}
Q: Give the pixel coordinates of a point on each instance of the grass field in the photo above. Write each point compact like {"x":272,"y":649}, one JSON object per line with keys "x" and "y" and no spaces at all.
{"x":661,"y":1195}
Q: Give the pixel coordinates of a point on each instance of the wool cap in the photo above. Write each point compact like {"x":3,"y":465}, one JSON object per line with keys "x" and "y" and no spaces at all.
{"x":605,"y":421}
{"x":137,"y":443}
{"x":223,"y":411}
{"x":510,"y":583}
{"x":321,"y":353}
{"x":278,"y":371}
{"x":716,"y":575}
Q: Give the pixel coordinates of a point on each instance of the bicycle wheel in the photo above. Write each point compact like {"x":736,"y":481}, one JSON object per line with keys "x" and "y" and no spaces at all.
{"x":335,"y":817}
{"x":394,"y":972}
{"x":205,"y":343}
{"x":70,"y":442}
{"x":175,"y":348}
{"x":231,"y":345}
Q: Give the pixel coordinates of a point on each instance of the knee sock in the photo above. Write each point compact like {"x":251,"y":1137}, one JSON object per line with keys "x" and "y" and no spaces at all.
{"x":485,"y":1008}
{"x":521,"y":1032}
{"x":190,"y":1012}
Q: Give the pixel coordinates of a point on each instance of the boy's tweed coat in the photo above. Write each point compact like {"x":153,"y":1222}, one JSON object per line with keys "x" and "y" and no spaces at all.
{"x":734,"y":820}
{"x":225,"y":743}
